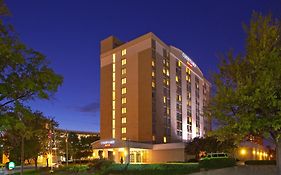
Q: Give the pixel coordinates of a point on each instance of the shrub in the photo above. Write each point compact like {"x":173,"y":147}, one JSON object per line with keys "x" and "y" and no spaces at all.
{"x":152,"y":169}
{"x":217,"y":163}
{"x":260,"y":162}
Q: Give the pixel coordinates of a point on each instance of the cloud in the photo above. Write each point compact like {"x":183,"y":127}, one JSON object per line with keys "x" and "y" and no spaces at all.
{"x":90,"y":108}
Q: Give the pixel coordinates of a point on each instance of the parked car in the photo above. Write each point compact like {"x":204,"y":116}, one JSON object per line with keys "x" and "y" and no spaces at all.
{"x":214,"y":156}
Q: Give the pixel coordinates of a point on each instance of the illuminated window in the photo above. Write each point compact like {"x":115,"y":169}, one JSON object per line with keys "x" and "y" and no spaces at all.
{"x":124,"y":61}
{"x":124,"y":120}
{"x":113,"y":104}
{"x":113,"y":67}
{"x":124,"y":80}
{"x":113,"y":133}
{"x":113,"y":114}
{"x":124,"y":110}
{"x":124,"y":130}
{"x":167,"y":63}
{"x":153,"y":84}
{"x":113,"y":86}
{"x":123,"y":52}
{"x":153,"y":63}
{"x":153,"y":73}
{"x":113,"y":57}
{"x":179,"y":97}
{"x":177,"y":79}
{"x":179,"y":63}
{"x":168,"y":111}
{"x":153,"y":138}
{"x":123,"y":138}
{"x":164,"y":99}
{"x":187,"y":70}
{"x":167,"y":73}
{"x":123,"y":71}
{"x":188,"y":78}
{"x":167,"y":82}
{"x":113,"y":95}
{"x":113,"y":76}
{"x":164,"y":71}
{"x":164,"y":139}
{"x":113,"y":124}
{"x":124,"y":100}
{"x":124,"y":90}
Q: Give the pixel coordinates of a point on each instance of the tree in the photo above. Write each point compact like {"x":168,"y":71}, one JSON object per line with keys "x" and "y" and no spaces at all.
{"x":24,"y":75}
{"x":248,"y":86}
{"x":209,"y":144}
{"x":32,"y":128}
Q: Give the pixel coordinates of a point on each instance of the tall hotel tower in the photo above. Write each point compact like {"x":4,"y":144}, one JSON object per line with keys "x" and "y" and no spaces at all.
{"x":150,"y":92}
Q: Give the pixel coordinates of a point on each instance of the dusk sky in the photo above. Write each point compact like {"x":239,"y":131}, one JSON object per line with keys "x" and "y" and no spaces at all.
{"x":68,"y":32}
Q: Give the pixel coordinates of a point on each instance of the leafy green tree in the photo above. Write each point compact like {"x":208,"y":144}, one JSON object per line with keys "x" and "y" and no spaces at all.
{"x":209,"y":144}
{"x":32,"y":129}
{"x":24,"y":75}
{"x":248,"y":86}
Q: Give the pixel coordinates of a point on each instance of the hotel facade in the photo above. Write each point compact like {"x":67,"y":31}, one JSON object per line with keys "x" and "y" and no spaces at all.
{"x":152,"y":97}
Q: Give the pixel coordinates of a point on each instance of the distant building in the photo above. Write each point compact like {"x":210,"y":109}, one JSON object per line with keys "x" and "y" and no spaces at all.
{"x":253,"y":148}
{"x":152,"y":100}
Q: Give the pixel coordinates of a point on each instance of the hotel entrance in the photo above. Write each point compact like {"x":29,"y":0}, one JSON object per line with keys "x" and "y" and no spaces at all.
{"x":122,"y":151}
{"x":138,"y":155}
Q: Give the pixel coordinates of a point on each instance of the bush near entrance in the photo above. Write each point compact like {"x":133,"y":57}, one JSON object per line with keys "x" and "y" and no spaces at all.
{"x":217,"y":163}
{"x":153,"y":169}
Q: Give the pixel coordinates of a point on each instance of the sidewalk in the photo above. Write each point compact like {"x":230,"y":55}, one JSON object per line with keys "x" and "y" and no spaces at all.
{"x":242,"y":170}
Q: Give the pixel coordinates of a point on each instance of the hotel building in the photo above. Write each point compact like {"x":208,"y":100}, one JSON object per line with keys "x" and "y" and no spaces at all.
{"x":152,"y":97}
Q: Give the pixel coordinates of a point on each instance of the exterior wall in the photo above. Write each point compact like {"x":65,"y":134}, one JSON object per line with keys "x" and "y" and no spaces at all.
{"x":142,"y":124}
{"x":172,"y":155}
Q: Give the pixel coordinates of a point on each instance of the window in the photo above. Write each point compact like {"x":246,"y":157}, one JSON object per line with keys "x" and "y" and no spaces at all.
{"x":167,"y":82}
{"x":124,"y":110}
{"x":124,"y":80}
{"x":164,"y":139}
{"x":113,"y":114}
{"x":124,"y":90}
{"x":153,"y":63}
{"x":113,"y":123}
{"x":179,"y":63}
{"x":153,"y":74}
{"x":167,"y":73}
{"x":113,"y":67}
{"x":113,"y":57}
{"x":113,"y":86}
{"x":124,"y":120}
{"x":123,"y":138}
{"x":164,"y":99}
{"x":123,"y":52}
{"x":124,"y":100}
{"x":187,"y":71}
{"x":113,"y":133}
{"x":177,"y":79}
{"x":153,"y":84}
{"x":124,"y":130}
{"x":123,"y":71}
{"x":113,"y":76}
{"x":164,"y":71}
{"x":113,"y":104}
{"x":124,"y":61}
{"x":113,"y":95}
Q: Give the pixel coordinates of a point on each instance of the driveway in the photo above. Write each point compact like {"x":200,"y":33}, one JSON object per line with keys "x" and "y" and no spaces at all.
{"x":242,"y":170}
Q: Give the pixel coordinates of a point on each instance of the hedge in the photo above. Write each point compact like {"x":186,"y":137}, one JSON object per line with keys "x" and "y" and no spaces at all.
{"x":260,"y":162}
{"x":217,"y":163}
{"x":153,"y":169}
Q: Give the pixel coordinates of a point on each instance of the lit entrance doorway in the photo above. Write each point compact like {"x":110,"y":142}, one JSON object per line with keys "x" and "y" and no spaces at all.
{"x":138,"y":155}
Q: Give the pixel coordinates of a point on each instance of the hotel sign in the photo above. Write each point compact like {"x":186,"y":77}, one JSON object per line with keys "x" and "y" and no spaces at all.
{"x":107,"y":143}
{"x":189,"y":60}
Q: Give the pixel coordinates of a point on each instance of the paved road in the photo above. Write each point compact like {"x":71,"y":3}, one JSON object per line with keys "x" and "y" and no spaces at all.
{"x":242,"y":170}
